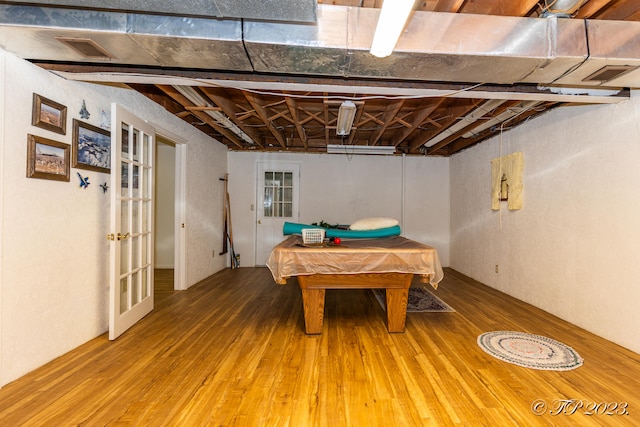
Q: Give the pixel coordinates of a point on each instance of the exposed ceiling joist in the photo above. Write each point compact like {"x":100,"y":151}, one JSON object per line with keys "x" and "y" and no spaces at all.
{"x":256,"y":103}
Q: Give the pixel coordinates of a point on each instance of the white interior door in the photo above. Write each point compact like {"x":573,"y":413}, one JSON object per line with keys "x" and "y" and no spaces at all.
{"x":132,"y":154}
{"x":278,"y":201}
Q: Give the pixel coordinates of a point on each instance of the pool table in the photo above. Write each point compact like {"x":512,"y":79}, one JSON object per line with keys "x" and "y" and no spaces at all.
{"x":389,"y":263}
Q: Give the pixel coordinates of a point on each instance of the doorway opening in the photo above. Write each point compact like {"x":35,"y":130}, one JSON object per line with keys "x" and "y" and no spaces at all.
{"x":164,"y":250}
{"x":169,"y":217}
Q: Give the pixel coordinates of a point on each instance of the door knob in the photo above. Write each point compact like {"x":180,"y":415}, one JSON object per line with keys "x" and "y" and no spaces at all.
{"x":118,"y":236}
{"x":259,"y":221}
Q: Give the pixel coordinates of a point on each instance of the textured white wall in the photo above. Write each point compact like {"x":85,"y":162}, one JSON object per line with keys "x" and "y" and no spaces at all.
{"x":426,"y":203}
{"x":3,"y":107}
{"x":342,"y":189}
{"x":573,"y":249}
{"x":206,"y":163}
{"x":54,"y":265}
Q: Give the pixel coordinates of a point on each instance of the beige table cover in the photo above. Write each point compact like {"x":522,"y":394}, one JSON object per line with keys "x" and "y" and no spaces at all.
{"x":384,"y":255}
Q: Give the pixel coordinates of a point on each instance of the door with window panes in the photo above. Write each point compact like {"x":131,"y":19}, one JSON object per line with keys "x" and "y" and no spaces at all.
{"x":131,"y":235}
{"x":278,"y":194}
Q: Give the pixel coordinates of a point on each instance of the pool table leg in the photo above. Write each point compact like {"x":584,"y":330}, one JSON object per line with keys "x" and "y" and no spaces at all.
{"x":313,"y":303}
{"x":397,"y":308}
{"x":313,"y":292}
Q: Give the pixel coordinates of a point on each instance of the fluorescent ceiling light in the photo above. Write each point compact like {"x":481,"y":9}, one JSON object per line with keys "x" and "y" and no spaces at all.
{"x":501,"y":118}
{"x":393,"y":17}
{"x":346,"y":114}
{"x":360,"y":149}
{"x":193,"y":96}
{"x":472,"y":117}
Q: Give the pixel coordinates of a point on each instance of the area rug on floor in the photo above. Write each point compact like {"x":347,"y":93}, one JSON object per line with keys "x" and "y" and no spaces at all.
{"x":420,"y":300}
{"x":529,"y":351}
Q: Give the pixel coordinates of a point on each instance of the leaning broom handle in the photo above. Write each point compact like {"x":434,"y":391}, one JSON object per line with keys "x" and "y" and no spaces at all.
{"x":234,"y":261}
{"x":224,"y":214}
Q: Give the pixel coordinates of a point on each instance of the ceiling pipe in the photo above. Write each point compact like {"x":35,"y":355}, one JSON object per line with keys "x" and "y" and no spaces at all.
{"x":562,"y":8}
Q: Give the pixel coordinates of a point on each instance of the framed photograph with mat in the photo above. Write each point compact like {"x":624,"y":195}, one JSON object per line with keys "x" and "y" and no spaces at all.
{"x":47,"y":159}
{"x":49,"y":115}
{"x":91,"y":147}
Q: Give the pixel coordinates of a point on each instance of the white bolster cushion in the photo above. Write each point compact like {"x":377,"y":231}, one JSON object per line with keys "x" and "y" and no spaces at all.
{"x":373,"y":223}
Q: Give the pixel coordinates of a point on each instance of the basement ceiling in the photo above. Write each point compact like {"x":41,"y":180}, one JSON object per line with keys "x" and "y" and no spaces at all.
{"x":271,"y":75}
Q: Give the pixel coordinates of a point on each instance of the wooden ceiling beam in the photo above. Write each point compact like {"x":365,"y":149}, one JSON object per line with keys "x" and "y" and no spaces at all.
{"x":356,"y":119}
{"x":433,"y":122}
{"x":371,"y":118}
{"x":402,"y":121}
{"x":262,"y":113}
{"x":311,"y":116}
{"x":452,"y":6}
{"x":279,"y":114}
{"x":402,"y":118}
{"x":293,"y":110}
{"x":390,"y":113}
{"x":369,"y":3}
{"x":419,"y":117}
{"x":203,"y":108}
{"x":274,"y":104}
{"x":592,"y":8}
{"x":621,"y":10}
{"x":521,"y":8}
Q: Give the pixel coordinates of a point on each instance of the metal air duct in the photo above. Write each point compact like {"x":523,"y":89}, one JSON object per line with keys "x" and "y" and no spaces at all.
{"x":440,"y":47}
{"x":281,"y":10}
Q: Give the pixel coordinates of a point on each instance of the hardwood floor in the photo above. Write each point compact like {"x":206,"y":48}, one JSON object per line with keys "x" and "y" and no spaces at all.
{"x":232,"y":351}
{"x":162,"y":283}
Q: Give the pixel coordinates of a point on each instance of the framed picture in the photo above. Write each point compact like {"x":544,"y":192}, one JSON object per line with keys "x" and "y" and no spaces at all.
{"x":49,"y":115}
{"x":47,"y":159}
{"x":91,"y":147}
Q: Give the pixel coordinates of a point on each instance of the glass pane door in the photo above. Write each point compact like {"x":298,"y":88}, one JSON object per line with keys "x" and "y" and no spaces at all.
{"x":132,"y":221}
{"x":277,"y":195}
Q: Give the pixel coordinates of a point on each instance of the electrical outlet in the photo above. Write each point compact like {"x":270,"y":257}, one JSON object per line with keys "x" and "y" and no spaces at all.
{"x":497,"y":269}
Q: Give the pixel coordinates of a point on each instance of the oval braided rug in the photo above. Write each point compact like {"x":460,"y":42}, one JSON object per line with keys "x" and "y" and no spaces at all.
{"x":529,"y":351}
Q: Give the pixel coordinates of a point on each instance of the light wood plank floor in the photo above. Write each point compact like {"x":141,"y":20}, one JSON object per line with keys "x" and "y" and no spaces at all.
{"x":231,"y":351}
{"x":162,"y":283}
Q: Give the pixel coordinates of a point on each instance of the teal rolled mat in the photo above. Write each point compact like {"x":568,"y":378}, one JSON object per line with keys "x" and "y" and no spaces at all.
{"x":294,"y":228}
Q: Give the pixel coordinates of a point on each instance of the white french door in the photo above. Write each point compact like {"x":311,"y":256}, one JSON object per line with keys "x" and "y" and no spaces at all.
{"x":131,"y":285}
{"x":278,"y":200}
